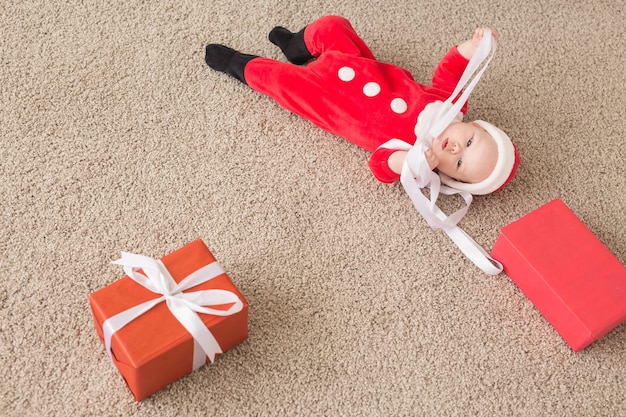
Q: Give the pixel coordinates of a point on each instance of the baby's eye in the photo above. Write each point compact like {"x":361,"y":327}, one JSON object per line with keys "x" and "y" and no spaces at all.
{"x":469,"y":143}
{"x":458,"y":163}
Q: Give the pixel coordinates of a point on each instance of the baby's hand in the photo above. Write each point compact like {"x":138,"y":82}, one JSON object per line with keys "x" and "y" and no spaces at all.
{"x":479,"y":33}
{"x":432,"y":159}
{"x":467,"y":48}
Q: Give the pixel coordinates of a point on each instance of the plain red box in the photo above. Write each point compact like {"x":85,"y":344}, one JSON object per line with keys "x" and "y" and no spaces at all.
{"x":562,"y":267}
{"x":155,"y":350}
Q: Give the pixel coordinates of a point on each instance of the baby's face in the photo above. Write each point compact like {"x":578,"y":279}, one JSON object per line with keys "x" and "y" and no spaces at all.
{"x":466,"y":152}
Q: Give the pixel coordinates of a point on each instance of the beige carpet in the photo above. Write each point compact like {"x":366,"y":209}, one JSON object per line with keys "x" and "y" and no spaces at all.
{"x":117,"y":137}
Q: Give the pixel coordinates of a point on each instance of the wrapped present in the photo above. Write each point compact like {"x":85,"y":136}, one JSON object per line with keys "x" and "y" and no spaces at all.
{"x":570,"y":276}
{"x":167,"y":317}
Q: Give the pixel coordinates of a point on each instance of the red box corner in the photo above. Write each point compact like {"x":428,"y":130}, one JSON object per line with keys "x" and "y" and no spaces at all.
{"x":577,"y":284}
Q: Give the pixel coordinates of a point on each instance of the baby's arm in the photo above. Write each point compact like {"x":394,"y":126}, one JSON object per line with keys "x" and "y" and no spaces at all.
{"x":386,"y":164}
{"x":450,"y":69}
{"x":396,"y":160}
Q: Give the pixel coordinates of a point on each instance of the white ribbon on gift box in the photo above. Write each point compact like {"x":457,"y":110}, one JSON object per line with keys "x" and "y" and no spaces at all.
{"x":416,"y":173}
{"x":185,"y":306}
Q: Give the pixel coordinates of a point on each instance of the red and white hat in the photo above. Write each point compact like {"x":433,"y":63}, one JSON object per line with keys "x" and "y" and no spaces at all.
{"x":503,"y":173}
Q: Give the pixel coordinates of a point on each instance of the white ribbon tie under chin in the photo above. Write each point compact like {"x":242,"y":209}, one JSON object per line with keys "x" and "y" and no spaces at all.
{"x":185,"y":306}
{"x":416,"y":173}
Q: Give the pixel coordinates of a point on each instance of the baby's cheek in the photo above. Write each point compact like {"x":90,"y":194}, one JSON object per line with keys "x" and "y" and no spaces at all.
{"x":443,"y":165}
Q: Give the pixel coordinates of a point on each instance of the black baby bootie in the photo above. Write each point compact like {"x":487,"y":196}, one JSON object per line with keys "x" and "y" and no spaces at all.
{"x":292,"y":45}
{"x":224,"y":59}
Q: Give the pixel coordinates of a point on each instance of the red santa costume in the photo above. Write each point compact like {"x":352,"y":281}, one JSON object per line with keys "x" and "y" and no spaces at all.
{"x":347,"y":92}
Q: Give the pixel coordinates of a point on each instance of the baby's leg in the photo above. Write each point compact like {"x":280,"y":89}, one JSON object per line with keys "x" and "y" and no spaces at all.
{"x":330,"y":33}
{"x":292,"y":45}
{"x":224,"y":59}
{"x":334,"y":33}
{"x":295,"y":88}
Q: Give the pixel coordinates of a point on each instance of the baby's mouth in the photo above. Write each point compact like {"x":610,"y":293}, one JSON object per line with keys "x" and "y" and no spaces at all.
{"x":444,"y":144}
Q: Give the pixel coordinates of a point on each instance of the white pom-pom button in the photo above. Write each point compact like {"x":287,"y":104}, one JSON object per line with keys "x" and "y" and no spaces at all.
{"x":346,"y":74}
{"x":398,"y":105}
{"x":371,"y":89}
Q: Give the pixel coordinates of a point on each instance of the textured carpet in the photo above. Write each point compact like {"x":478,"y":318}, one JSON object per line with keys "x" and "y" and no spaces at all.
{"x":117,"y":137}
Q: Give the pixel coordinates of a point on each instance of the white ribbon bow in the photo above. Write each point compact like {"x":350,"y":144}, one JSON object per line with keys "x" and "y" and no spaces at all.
{"x":417,"y":174}
{"x":184,"y":306}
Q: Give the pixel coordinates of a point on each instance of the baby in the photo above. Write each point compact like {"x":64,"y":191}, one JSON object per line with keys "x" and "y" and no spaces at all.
{"x":334,"y":80}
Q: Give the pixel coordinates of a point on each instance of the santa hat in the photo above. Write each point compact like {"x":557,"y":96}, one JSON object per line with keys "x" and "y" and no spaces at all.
{"x":503,"y":173}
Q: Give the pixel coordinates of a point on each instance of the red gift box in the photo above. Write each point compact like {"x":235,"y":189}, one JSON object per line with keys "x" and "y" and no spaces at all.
{"x":570,"y":276}
{"x":154,"y":348}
